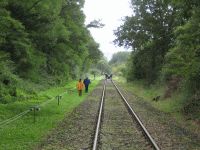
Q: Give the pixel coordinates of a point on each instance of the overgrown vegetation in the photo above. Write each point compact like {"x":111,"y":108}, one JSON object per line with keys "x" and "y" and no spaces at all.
{"x":42,"y":43}
{"x":24,"y":133}
{"x":102,"y":66}
{"x":119,"y":62}
{"x":164,"y":36}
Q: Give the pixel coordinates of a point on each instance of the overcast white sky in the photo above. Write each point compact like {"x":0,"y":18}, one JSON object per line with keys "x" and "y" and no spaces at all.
{"x":111,"y":12}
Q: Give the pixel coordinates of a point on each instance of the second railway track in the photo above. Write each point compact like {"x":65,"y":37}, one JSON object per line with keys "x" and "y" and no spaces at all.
{"x":117,"y":126}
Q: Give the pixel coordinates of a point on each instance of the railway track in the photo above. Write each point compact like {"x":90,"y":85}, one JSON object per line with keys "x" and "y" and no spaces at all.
{"x":118,"y":126}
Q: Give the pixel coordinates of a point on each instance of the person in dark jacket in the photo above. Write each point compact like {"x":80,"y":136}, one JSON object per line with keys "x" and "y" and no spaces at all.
{"x":86,"y":83}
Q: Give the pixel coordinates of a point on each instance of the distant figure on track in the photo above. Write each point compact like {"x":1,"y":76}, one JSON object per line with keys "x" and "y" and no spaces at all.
{"x":80,"y":87}
{"x":110,"y":77}
{"x":86,"y":83}
{"x":106,"y":76}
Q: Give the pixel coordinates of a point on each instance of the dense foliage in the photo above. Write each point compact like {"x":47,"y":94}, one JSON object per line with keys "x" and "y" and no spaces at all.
{"x":165,"y":38}
{"x":119,"y":57}
{"x":103,"y":66}
{"x":119,"y":62}
{"x":43,"y":42}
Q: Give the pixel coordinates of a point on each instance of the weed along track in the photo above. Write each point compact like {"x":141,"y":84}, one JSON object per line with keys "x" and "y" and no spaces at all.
{"x":118,"y":127}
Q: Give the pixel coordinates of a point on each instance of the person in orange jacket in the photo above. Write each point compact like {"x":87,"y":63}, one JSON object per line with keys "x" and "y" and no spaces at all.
{"x":80,"y":87}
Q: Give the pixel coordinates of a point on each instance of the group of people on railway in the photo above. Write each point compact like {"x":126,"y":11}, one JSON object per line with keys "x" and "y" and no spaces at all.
{"x":107,"y":76}
{"x":83,"y":84}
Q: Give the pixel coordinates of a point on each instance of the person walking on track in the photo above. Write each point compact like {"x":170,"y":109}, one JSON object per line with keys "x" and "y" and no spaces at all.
{"x":86,"y":83}
{"x":80,"y":87}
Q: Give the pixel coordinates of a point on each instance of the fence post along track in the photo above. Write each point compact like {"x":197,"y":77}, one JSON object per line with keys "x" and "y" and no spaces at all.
{"x":94,"y":147}
{"x":58,"y":99}
{"x":147,"y":134}
{"x":33,"y":109}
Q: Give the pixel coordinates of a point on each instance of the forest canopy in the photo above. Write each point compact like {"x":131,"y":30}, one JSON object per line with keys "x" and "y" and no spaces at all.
{"x":43,"y":42}
{"x":165,"y":38}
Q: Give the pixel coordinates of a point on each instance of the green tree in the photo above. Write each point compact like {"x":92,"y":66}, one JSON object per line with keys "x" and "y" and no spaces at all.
{"x":118,"y":63}
{"x":149,"y":33}
{"x":183,"y":60}
{"x":103,"y":66}
{"x":119,"y":57}
{"x":46,"y":39}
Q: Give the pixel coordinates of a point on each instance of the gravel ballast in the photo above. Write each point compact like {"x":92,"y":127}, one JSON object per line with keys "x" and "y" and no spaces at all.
{"x":76,"y":130}
{"x":166,"y":131}
{"x":118,"y":130}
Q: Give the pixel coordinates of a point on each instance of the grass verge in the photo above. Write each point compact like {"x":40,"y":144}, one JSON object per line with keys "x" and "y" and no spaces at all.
{"x":23,"y":133}
{"x":172,"y":106}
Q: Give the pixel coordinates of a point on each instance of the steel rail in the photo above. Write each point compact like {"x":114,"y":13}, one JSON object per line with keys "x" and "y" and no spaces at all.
{"x":99,"y":119}
{"x":153,"y":143}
